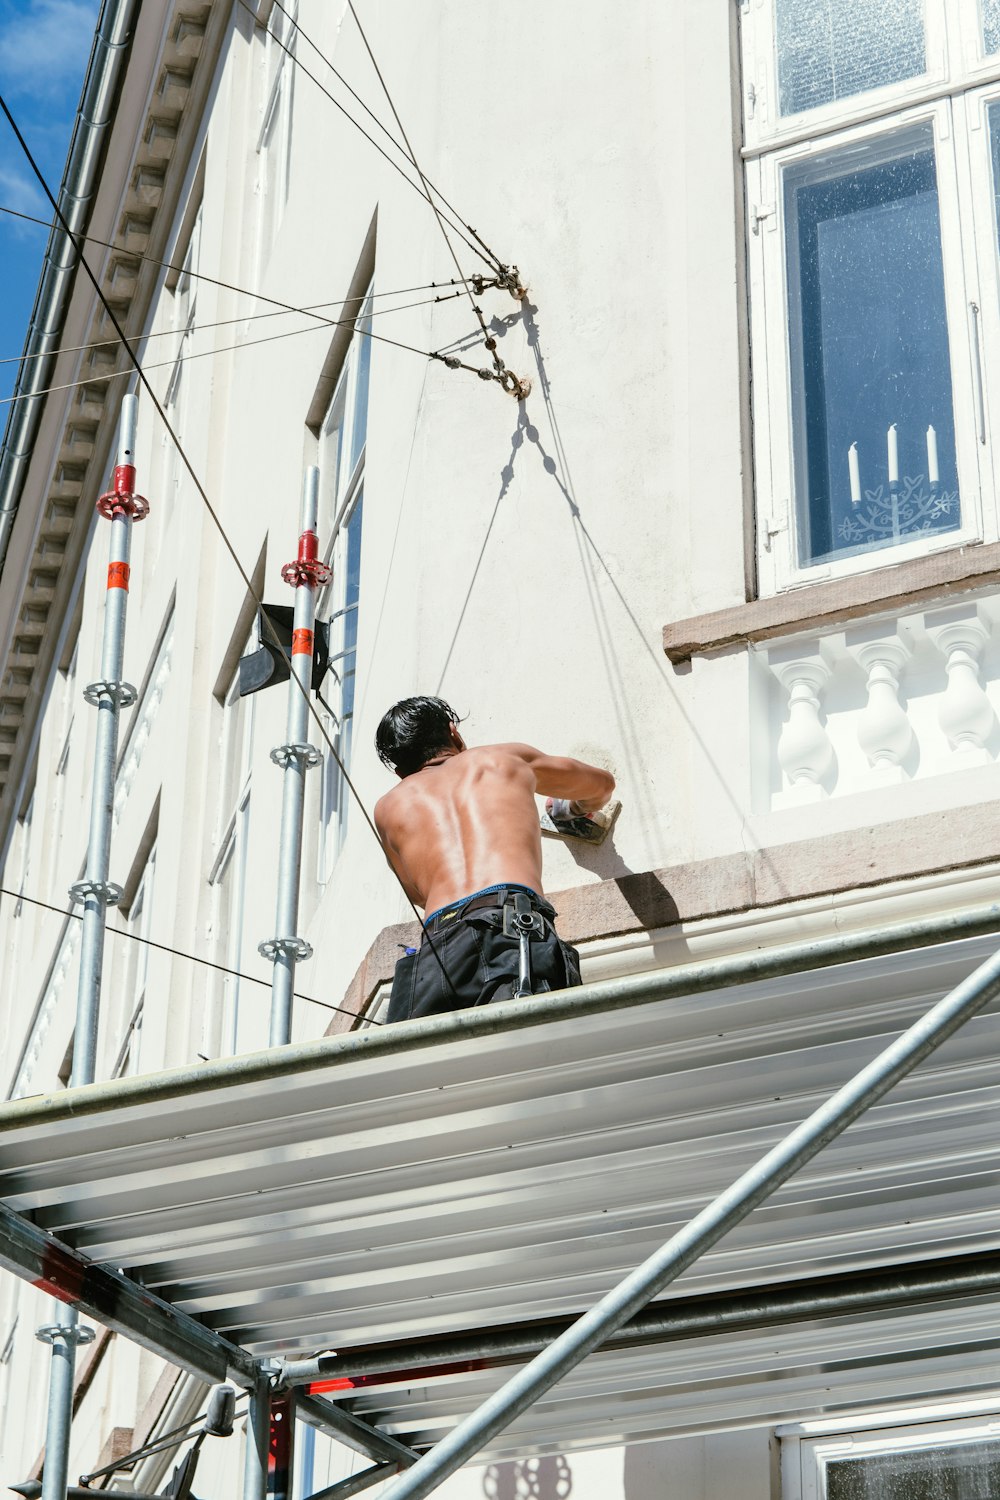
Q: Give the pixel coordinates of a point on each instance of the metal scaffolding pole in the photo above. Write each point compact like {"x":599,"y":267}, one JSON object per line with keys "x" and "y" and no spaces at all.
{"x":258,"y":1440}
{"x":724,"y":1213}
{"x":296,"y":756}
{"x":120,"y":506}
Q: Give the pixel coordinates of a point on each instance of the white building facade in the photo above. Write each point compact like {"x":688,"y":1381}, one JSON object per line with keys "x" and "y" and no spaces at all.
{"x":739,"y":543}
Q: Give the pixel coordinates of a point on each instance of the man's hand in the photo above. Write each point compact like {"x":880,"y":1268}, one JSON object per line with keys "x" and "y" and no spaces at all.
{"x":565,"y":807}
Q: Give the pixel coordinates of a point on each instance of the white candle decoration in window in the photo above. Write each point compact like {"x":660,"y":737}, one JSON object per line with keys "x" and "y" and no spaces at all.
{"x":855,"y":471}
{"x":892,"y":438}
{"x":933,"y":474}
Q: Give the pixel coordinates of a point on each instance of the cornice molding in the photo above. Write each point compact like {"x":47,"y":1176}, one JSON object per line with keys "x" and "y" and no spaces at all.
{"x":59,"y":508}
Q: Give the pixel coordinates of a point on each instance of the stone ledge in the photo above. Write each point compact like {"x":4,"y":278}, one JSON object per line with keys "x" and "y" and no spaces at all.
{"x":928,"y":844}
{"x":824,"y":606}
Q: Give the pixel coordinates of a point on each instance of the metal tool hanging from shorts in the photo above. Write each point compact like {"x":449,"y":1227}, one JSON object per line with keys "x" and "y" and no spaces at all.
{"x":521,"y":921}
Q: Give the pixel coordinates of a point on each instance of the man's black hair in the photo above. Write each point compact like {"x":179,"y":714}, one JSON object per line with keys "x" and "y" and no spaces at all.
{"x":413,"y":732}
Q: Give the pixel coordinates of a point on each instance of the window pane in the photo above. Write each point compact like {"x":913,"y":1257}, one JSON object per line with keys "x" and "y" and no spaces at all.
{"x":830,"y":50}
{"x":363,"y":347}
{"x":991,"y":26}
{"x":993,"y":114}
{"x":870,"y":366}
{"x":967,"y":1472}
{"x":348,"y":666}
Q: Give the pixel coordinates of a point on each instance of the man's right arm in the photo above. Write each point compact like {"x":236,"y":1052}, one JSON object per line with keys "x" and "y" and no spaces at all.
{"x":587,"y":787}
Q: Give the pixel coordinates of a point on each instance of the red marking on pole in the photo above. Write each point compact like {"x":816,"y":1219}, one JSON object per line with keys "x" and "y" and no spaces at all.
{"x":279,"y":1450}
{"x":398,"y":1377}
{"x":62,"y":1277}
{"x":123,"y":480}
{"x":308,"y":546}
{"x":118,"y":575}
{"x":302,"y":642}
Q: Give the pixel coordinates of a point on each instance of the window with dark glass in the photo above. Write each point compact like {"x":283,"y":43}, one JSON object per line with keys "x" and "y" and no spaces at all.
{"x":873,"y":424}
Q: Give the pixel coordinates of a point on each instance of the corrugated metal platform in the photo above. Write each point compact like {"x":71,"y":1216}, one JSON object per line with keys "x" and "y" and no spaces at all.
{"x":358,"y":1189}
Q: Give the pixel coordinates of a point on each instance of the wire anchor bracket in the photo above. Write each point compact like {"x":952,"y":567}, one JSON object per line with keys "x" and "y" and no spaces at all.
{"x":509,"y":279}
{"x":517,"y":386}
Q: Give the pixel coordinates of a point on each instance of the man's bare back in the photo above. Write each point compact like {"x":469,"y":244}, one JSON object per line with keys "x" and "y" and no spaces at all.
{"x":467,"y":818}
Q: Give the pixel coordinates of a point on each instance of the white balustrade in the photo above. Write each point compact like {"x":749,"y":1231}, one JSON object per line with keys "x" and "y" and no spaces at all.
{"x":884,"y":703}
{"x":805,"y":750}
{"x":884,"y":731}
{"x":965,"y":713}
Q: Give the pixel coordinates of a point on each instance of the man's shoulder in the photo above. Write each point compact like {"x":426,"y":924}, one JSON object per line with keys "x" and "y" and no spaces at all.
{"x":382,"y":811}
{"x":509,"y":750}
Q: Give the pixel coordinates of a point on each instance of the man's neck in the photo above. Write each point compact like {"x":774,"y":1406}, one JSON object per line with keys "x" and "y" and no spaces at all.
{"x":440,"y":757}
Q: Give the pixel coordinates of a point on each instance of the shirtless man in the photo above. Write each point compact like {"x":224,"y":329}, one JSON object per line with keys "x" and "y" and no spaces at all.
{"x":461,"y":832}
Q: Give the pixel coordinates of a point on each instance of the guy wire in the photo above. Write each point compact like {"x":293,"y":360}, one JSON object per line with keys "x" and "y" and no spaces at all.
{"x":193,"y":958}
{"x":346,"y":113}
{"x":272,"y":338}
{"x":490,"y":343}
{"x":226,"y":286}
{"x":182,"y":454}
{"x":428,"y":185}
{"x":165,"y":333}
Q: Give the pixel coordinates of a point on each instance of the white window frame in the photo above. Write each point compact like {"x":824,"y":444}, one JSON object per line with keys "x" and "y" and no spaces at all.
{"x":971,"y":268}
{"x":182,"y":316}
{"x":139,"y":927}
{"x":228,"y":875}
{"x":805,"y":1459}
{"x":337,"y":507}
{"x":274,"y":139}
{"x":763,"y":123}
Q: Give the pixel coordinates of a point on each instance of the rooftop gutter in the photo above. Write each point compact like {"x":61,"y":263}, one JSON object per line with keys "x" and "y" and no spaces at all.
{"x":93,"y":118}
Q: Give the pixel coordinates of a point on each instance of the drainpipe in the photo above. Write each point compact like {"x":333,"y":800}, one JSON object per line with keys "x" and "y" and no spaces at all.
{"x":93,"y":118}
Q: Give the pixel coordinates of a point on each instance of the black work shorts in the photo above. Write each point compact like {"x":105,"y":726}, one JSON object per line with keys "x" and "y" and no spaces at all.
{"x":472,"y":963}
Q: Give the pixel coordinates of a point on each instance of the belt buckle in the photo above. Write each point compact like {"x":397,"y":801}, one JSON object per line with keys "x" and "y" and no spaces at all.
{"x":520,"y":918}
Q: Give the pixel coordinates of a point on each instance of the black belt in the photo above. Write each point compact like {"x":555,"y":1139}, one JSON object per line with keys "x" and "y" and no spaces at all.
{"x":459,"y":909}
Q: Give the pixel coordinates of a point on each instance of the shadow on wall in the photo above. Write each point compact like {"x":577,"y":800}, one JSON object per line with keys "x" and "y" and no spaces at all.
{"x":529,"y":1479}
{"x":643,"y":1476}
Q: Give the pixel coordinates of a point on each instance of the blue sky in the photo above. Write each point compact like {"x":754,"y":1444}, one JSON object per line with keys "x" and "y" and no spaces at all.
{"x":44,"y":49}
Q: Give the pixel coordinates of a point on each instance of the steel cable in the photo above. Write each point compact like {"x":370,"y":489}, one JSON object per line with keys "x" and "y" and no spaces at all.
{"x":297,"y":61}
{"x":193,"y":958}
{"x":164,"y":333}
{"x":216,"y":519}
{"x":273,"y":338}
{"x":429,"y":186}
{"x":226,"y":286}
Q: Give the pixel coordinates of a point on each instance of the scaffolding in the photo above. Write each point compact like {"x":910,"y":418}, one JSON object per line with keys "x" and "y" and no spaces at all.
{"x":437,"y":1200}
{"x":367,"y":1231}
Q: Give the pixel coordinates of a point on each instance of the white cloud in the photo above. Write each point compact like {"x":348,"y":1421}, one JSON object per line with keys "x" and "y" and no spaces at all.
{"x":21,"y":192}
{"x":44,"y":45}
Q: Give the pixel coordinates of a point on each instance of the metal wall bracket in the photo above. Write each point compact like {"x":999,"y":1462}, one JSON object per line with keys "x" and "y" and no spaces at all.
{"x":122,"y":693}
